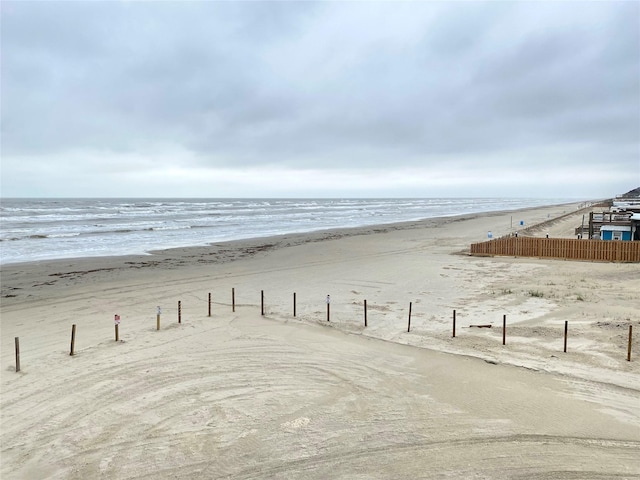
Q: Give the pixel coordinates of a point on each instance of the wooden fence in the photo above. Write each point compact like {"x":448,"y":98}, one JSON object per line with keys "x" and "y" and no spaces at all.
{"x":566,"y":248}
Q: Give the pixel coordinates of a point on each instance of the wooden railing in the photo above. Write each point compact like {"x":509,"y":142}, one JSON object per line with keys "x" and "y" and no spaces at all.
{"x":566,"y":248}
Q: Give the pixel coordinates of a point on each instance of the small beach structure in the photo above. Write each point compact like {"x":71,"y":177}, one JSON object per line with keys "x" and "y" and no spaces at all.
{"x":626,"y":230}
{"x":620,"y":222}
{"x":615,"y":232}
{"x":600,"y":223}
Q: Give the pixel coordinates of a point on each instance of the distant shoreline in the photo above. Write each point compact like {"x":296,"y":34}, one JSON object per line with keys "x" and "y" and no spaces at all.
{"x":38,"y":230}
{"x":288,"y":238}
{"x":19,"y":276}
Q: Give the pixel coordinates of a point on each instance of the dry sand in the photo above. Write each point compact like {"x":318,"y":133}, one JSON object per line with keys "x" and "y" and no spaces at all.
{"x":239,"y":395}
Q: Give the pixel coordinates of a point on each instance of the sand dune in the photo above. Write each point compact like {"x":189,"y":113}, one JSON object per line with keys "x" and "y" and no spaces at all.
{"x":241,"y":395}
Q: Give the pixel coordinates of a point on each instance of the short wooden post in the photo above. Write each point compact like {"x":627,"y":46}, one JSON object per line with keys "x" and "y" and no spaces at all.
{"x":261,"y":302}
{"x":629,"y":347}
{"x":158,"y":319}
{"x":116,"y":322}
{"x":365,"y":313}
{"x":73,"y":339}
{"x":328,"y":308}
{"x":209,"y":303}
{"x":233,"y":299}
{"x":504,"y":329}
{"x":409,"y":325}
{"x":566,"y":328}
{"x":179,"y":311}
{"x":454,"y":324}
{"x":17,"y":354}
{"x":294,"y":304}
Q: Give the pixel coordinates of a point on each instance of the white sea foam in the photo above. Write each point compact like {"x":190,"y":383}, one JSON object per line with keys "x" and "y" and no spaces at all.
{"x":36,"y":229}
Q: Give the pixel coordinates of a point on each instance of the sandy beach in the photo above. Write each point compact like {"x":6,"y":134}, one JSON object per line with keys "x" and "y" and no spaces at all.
{"x":242,"y":395}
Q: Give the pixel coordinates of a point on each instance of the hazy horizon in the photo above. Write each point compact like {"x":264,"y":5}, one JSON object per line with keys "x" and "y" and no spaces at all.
{"x":320,"y":99}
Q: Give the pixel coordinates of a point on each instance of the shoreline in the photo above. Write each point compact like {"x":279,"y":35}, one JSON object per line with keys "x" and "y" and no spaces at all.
{"x":304,"y":236}
{"x":342,"y":230}
{"x":229,"y":251}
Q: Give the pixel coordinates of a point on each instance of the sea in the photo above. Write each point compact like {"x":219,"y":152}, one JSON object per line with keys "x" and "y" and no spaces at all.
{"x":43,"y":229}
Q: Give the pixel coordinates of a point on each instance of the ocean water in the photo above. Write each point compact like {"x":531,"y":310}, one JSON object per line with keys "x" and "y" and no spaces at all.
{"x":38,"y":229}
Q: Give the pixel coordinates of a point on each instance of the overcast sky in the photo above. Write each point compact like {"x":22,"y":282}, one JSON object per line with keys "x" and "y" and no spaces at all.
{"x":327,"y":99}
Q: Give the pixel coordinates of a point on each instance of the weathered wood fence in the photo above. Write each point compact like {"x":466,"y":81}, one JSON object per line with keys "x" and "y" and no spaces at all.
{"x":566,"y":248}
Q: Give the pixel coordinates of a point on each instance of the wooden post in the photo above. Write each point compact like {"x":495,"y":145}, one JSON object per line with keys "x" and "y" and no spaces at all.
{"x":116,"y":322}
{"x":328,"y":308}
{"x":261,"y":302}
{"x":73,"y":339}
{"x":454,"y":324}
{"x":504,"y":329}
{"x":179,"y":311}
{"x":365,"y":313}
{"x":294,"y":304}
{"x":629,"y":347}
{"x":566,"y":328}
{"x":209,"y":303}
{"x":158,"y":319}
{"x":409,"y":325}
{"x":17,"y":354}
{"x":233,"y":299}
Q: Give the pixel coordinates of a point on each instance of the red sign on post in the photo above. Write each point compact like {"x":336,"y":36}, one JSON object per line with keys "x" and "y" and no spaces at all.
{"x":117,"y":319}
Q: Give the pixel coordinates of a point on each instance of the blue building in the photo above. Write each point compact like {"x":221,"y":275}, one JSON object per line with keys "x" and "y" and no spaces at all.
{"x":615,"y":232}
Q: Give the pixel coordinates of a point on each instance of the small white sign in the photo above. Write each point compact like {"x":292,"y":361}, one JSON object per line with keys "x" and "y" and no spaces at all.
{"x":159,"y":311}
{"x":116,"y":319}
{"x":328,"y":299}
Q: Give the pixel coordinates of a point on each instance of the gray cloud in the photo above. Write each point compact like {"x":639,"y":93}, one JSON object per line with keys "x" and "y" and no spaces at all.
{"x":303,"y":85}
